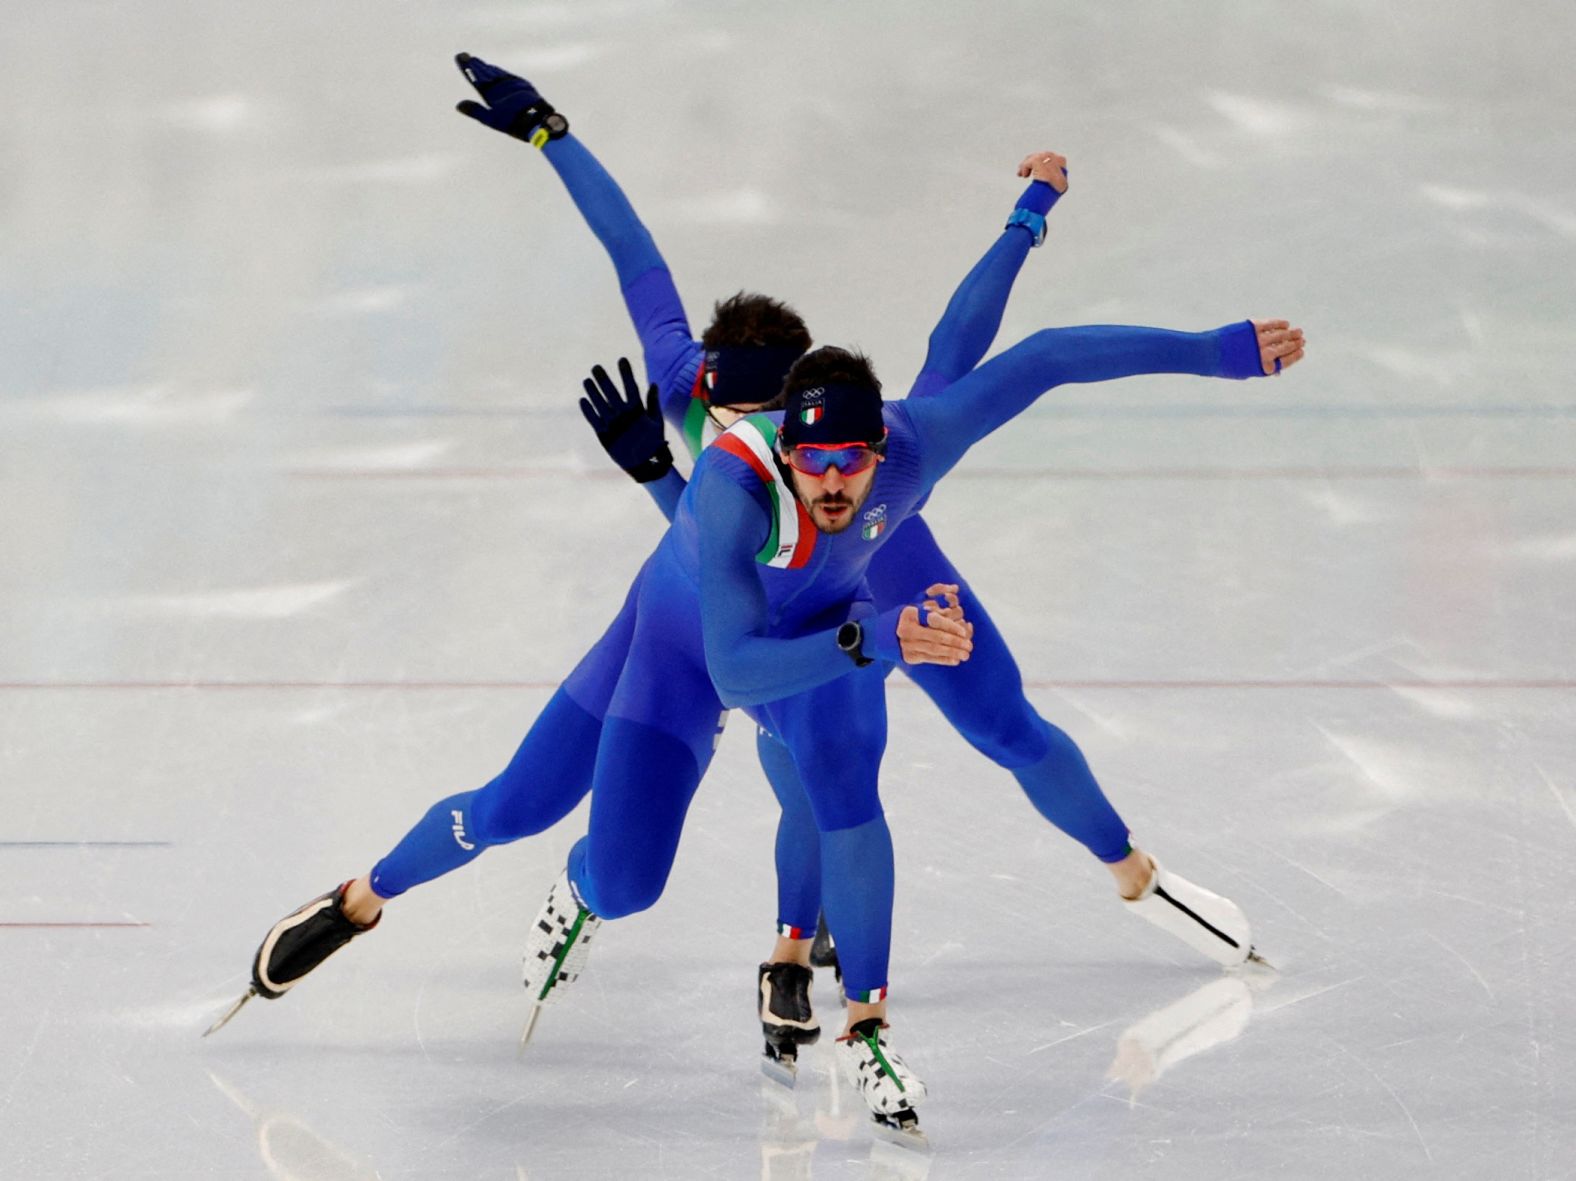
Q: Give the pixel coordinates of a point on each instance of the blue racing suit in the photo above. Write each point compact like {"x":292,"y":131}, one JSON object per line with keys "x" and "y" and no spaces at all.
{"x":984,"y":698}
{"x":719,"y":618}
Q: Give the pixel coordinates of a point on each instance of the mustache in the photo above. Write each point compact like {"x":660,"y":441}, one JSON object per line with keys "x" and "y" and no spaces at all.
{"x":833,"y":500}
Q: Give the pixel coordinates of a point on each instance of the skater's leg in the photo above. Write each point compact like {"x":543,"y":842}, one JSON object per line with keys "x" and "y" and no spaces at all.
{"x":548,"y":776}
{"x":645,"y":779}
{"x":798,"y":854}
{"x":837,"y":734}
{"x":662,"y":727}
{"x":983,"y":698}
{"x":984,"y":701}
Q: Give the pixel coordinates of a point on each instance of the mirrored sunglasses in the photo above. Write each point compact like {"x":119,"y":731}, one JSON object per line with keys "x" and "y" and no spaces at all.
{"x":816,"y":459}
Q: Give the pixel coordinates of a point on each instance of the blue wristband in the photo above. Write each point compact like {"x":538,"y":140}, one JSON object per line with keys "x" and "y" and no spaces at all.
{"x":1029,"y":220}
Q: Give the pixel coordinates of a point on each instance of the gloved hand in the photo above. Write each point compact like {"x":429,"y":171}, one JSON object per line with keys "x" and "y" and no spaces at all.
{"x":630,"y":432}
{"x":513,"y":105}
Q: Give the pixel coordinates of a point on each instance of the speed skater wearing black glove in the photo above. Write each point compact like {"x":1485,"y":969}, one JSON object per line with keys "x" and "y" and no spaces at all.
{"x":629,"y":431}
{"x":513,"y":105}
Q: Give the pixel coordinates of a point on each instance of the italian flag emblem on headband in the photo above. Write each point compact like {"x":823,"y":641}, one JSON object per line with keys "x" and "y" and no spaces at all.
{"x":810,"y":415}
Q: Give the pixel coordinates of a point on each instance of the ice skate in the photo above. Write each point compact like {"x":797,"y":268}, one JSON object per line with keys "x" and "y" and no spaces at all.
{"x":1203,"y":920}
{"x":823,"y":954}
{"x":294,"y":946}
{"x":556,"y":948}
{"x":787,"y":1018}
{"x":883,"y":1081}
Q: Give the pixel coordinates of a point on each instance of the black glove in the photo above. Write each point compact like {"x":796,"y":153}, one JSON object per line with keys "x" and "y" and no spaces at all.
{"x":630,"y":432}
{"x":514,"y":106}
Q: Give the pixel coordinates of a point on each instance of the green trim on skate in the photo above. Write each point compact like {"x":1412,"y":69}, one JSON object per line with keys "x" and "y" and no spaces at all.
{"x":873,"y":1041}
{"x":558,"y":961}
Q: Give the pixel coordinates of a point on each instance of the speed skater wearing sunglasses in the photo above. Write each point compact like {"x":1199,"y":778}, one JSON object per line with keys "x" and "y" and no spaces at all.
{"x":816,"y":459}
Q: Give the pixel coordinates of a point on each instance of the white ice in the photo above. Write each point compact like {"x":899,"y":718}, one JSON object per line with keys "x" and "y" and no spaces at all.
{"x":299,"y":526}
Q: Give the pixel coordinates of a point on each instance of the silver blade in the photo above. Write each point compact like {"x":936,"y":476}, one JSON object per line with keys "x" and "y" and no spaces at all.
{"x":230,"y":1012}
{"x":530,"y":1026}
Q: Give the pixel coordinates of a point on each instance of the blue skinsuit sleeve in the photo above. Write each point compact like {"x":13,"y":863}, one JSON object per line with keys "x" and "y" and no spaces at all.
{"x":643,"y":278}
{"x":747,"y":666}
{"x":666,"y":492}
{"x":973,"y":315}
{"x":951,"y":422}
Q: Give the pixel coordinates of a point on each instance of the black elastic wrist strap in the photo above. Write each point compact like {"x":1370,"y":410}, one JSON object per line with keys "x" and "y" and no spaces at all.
{"x":529,"y":124}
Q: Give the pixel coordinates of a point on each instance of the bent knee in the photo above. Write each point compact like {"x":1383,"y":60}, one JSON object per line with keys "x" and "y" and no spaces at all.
{"x":618,"y":896}
{"x":1012,"y":736}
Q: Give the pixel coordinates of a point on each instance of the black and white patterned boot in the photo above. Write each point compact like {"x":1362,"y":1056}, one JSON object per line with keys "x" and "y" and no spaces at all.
{"x":884,"y":1081}
{"x":556,"y":947}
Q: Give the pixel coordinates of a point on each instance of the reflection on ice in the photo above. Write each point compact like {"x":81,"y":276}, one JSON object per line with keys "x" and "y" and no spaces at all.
{"x":789,"y":1137}
{"x":1205,"y":1018}
{"x":1258,"y":116}
{"x":153,"y":405}
{"x":291,"y":1150}
{"x":414,"y":454}
{"x":221,"y":114}
{"x":1381,"y":100}
{"x":364,"y":301}
{"x":264,"y":602}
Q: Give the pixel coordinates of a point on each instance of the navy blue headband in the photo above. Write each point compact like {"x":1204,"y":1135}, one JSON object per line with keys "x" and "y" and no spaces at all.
{"x":833,"y":413}
{"x":746,"y":375}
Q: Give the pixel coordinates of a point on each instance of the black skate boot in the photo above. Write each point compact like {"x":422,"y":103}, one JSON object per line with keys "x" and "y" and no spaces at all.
{"x":823,"y":954}
{"x":787,"y":1018}
{"x":295,"y":945}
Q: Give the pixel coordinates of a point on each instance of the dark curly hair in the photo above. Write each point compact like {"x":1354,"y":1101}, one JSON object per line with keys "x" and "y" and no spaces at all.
{"x":750,"y":319}
{"x":830,"y":365}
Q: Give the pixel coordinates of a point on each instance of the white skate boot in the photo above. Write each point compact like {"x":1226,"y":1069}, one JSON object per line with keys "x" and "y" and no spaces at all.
{"x":884,"y":1081}
{"x":556,"y":948}
{"x":1204,"y":921}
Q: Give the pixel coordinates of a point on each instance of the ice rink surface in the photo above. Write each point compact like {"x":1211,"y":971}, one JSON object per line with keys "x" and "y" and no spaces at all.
{"x":301,"y":526}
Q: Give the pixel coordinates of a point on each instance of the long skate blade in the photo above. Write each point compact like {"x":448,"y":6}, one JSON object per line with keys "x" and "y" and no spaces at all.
{"x":905,"y":1133}
{"x":224,"y":1019}
{"x":784,"y":1071}
{"x":530,"y":1026}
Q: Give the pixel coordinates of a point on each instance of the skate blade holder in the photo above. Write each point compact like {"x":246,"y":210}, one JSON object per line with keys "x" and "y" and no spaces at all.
{"x":900,"y":1129}
{"x":781,"y":1068}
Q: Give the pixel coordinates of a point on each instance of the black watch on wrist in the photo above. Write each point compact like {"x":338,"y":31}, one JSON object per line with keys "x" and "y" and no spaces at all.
{"x":849,"y":637}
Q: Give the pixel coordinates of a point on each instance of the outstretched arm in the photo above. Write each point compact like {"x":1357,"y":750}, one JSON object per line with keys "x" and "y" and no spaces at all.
{"x":748,"y":666}
{"x":515,"y":107}
{"x":973,"y":315}
{"x":630,"y":431}
{"x":1005,"y":386}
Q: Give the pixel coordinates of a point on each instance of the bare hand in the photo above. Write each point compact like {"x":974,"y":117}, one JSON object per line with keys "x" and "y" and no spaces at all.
{"x":1046,"y":166}
{"x":944,"y":638}
{"x":1280,"y":345}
